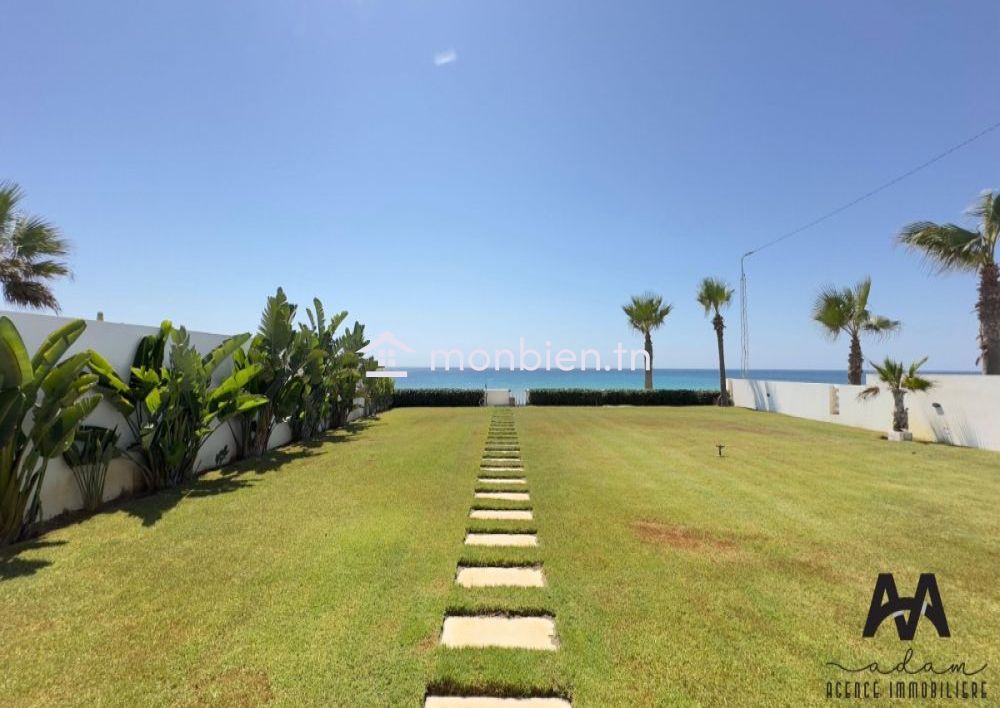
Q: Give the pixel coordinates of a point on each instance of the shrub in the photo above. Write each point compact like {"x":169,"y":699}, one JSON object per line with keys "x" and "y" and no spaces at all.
{"x":620,"y":397}
{"x":52,"y":393}
{"x":420,"y":397}
{"x":171,"y":410}
{"x":88,"y":457}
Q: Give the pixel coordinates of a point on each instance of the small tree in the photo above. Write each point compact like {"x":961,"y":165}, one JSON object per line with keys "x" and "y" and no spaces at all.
{"x":900,"y":381}
{"x":714,"y":295}
{"x":846,"y":310}
{"x":645,"y":313}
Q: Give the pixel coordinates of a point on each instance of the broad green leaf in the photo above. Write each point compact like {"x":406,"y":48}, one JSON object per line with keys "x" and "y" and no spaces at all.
{"x":15,"y":367}
{"x":51,"y":350}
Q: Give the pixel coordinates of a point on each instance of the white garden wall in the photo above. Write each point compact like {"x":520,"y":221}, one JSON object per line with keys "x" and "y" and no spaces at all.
{"x":960,"y":409}
{"x":117,"y":343}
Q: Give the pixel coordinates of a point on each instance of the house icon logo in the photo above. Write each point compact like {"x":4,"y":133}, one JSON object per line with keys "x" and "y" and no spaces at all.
{"x":384,"y":348}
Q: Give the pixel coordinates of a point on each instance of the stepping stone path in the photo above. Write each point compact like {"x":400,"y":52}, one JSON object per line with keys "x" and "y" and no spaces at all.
{"x":502,"y":514}
{"x":504,"y":632}
{"x":501,"y":465}
{"x":504,"y":496}
{"x":484,"y":702}
{"x":501,"y":539}
{"x":491,"y":577}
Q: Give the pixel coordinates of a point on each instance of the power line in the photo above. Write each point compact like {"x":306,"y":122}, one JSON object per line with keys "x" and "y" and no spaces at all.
{"x":744,"y":327}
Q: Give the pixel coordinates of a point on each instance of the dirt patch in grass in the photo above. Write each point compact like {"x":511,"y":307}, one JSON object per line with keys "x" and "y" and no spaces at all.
{"x":235,"y":687}
{"x":683,"y":537}
{"x":430,"y":642}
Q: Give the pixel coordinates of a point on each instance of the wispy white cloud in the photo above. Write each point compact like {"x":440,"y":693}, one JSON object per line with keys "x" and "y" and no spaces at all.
{"x":446,"y":57}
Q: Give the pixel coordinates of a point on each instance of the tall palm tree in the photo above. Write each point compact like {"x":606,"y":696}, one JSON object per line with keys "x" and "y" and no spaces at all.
{"x":715,"y":294}
{"x":899,"y":381}
{"x":950,"y":247}
{"x":645,"y":313}
{"x":30,"y":253}
{"x":846,"y":310}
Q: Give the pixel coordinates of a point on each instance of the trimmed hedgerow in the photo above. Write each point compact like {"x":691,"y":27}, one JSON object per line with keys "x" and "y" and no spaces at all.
{"x":620,"y":397}
{"x":424,"y":397}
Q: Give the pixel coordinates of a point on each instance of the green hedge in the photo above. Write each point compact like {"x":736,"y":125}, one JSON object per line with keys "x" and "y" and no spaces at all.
{"x":620,"y":397}
{"x":422,"y":397}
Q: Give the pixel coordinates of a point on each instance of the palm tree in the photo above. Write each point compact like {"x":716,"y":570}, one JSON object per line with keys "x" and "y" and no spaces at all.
{"x":899,"y":381}
{"x":30,"y":252}
{"x":647,"y":312}
{"x":846,"y":310}
{"x":950,"y":247}
{"x":714,"y":294}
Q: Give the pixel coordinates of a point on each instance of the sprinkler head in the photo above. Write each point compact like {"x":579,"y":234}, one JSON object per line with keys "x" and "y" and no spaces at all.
{"x":721,"y":447}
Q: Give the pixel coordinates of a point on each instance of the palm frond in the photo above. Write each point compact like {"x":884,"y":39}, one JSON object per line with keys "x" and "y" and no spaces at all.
{"x":832,"y":309}
{"x":30,"y":252}
{"x":29,"y":293}
{"x":912,"y":381}
{"x":714,"y":294}
{"x":944,"y":246}
{"x":646,"y":312}
{"x":862,"y":290}
{"x":10,"y":195}
{"x":870,"y":392}
{"x":987,"y":210}
{"x":881,"y":326}
{"x":900,"y":378}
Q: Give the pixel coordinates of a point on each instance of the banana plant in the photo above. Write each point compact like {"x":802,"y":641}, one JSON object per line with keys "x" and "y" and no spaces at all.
{"x":378,"y":391}
{"x":51,"y":393}
{"x":350,"y":365}
{"x":171,"y":410}
{"x":320,"y":339}
{"x":280,"y":353}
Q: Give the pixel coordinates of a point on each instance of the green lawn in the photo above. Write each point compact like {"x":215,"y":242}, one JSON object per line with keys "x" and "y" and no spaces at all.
{"x":322,"y":575}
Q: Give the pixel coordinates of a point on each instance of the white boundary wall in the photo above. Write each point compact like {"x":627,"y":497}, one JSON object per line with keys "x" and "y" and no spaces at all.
{"x":117,"y":343}
{"x":961,"y":409}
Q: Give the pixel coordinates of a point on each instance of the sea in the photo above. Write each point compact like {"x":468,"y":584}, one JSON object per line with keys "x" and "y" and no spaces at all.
{"x":519,"y":381}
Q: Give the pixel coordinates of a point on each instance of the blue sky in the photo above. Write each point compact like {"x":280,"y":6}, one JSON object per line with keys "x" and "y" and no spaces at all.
{"x":569,"y":155}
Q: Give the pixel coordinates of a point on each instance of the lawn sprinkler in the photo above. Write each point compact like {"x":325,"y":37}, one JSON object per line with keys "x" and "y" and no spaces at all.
{"x":721,"y":448}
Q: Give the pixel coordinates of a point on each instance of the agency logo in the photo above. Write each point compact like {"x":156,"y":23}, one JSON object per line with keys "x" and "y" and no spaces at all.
{"x":886,"y":603}
{"x":909,"y":679}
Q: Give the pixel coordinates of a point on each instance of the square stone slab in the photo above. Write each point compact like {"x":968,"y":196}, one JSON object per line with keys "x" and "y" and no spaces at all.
{"x":492,"y":702}
{"x":498,"y":576}
{"x":506,"y":632}
{"x":501,"y":514}
{"x":501,"y":539}
{"x":506,"y":496}
{"x":502,"y":480}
